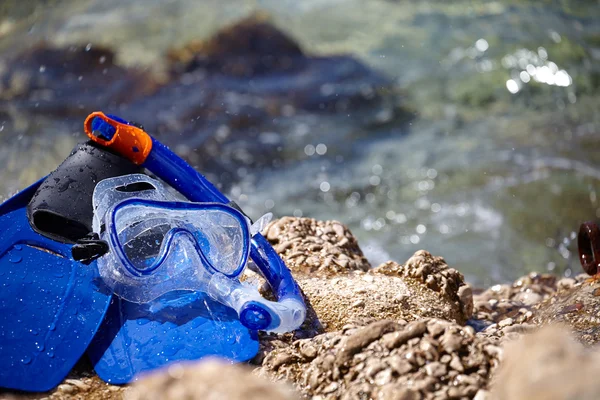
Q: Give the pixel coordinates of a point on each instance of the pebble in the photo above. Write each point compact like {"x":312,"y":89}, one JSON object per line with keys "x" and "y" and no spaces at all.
{"x":358,"y":303}
{"x":332,"y":387}
{"x":436,"y":369}
{"x":506,"y":322}
{"x":79,"y":384}
{"x":400,"y":366}
{"x":308,"y":351}
{"x":66,"y":388}
{"x":456,"y":364}
{"x":450,"y":342}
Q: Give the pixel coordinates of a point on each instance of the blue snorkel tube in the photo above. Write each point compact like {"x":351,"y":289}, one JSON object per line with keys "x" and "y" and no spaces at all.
{"x":132,"y":142}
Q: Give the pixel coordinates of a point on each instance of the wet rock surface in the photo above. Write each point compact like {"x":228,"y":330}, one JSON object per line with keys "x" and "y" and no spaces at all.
{"x":424,"y":359}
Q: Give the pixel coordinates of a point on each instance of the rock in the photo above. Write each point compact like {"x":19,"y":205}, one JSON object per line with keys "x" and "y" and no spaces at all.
{"x":505,"y":322}
{"x":435,"y":273}
{"x":501,"y":306}
{"x":299,"y":239}
{"x":361,"y":338}
{"x":231,"y":96}
{"x":68,"y":81}
{"x":208,"y":379}
{"x":242,"y":54}
{"x":359,"y":362}
{"x":226,"y":92}
{"x":577,"y":307}
{"x":334,"y":299}
{"x":548,"y":365}
{"x":248,"y":48}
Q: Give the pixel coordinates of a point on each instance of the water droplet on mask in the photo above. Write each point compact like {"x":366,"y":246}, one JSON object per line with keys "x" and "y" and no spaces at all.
{"x":26,"y":359}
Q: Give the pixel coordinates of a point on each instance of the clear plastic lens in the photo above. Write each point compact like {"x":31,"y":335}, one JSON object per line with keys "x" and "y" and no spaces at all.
{"x":146,"y":232}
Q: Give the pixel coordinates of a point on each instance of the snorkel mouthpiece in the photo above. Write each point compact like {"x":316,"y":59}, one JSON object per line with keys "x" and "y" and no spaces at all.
{"x":118,"y":135}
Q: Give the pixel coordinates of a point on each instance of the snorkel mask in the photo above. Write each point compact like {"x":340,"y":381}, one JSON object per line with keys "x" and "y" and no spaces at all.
{"x":158,"y":243}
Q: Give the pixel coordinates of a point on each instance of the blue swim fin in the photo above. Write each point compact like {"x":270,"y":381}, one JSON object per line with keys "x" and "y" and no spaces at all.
{"x":177,"y":326}
{"x":50,"y":305}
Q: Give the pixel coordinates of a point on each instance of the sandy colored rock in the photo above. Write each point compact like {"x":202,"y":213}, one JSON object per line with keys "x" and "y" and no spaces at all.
{"x":316,"y":248}
{"x":359,"y":296}
{"x":388,"y":360}
{"x":211,"y":379}
{"x":434,"y":273}
{"x":547,"y":365}
{"x":578,"y":308}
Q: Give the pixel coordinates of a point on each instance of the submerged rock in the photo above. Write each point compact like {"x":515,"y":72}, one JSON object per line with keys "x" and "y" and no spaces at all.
{"x":230,"y":95}
{"x":548,"y":365}
{"x":208,"y":379}
{"x":248,"y":79}
{"x":247,"y":48}
{"x":255,"y":57}
{"x":423,"y":359}
{"x":68,"y":81}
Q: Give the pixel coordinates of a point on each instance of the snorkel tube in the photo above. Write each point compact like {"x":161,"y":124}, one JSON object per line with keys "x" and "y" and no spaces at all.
{"x":255,"y":312}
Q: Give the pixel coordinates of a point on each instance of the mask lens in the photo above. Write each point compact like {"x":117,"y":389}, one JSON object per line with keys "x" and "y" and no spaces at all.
{"x":220,"y":237}
{"x":151,"y":233}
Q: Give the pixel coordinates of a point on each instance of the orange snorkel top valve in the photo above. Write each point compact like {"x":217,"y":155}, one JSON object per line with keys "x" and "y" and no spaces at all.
{"x":118,"y":135}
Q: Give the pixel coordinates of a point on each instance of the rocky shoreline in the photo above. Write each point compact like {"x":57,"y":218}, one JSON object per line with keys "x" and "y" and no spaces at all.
{"x":398,"y":331}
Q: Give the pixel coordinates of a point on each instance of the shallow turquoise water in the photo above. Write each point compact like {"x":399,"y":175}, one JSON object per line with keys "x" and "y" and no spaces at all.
{"x":495,"y":172}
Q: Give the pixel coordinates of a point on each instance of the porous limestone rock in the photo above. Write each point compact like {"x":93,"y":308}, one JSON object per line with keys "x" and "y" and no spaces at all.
{"x":424,"y":359}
